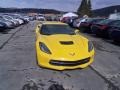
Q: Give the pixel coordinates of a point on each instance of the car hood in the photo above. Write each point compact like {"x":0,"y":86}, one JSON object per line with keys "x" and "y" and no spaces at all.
{"x":69,"y":46}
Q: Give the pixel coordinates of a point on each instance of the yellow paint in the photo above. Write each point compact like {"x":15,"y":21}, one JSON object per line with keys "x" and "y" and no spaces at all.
{"x":62,"y":52}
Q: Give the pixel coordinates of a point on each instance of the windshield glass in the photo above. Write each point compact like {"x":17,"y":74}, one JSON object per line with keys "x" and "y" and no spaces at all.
{"x":117,"y":24}
{"x":98,"y":20}
{"x":56,"y":29}
{"x":7,"y":17}
{"x":89,"y":20}
{"x":2,"y":19}
{"x":105,"y":21}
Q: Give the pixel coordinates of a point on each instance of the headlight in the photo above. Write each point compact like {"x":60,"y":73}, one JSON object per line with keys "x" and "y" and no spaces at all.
{"x":90,"y":46}
{"x":44,"y":48}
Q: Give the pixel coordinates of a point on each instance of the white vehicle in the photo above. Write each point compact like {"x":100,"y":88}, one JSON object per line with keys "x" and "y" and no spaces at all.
{"x":8,"y":24}
{"x":77,"y":22}
{"x":114,"y":16}
{"x":18,"y":19}
{"x":41,"y":18}
{"x":26,"y":18}
{"x":6,"y":17}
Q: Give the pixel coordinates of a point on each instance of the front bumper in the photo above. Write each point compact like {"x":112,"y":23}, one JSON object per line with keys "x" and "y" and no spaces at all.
{"x":68,"y":63}
{"x":47,"y":61}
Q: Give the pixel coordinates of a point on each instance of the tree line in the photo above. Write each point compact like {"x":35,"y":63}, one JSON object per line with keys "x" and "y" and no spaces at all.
{"x":29,"y":10}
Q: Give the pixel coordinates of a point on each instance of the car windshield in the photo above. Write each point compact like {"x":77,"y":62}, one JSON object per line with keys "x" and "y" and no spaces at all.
{"x":56,"y":29}
{"x":98,"y":20}
{"x":2,"y":19}
{"x":105,"y":21}
{"x":89,"y":20}
{"x":116,"y":24}
{"x":7,"y":17}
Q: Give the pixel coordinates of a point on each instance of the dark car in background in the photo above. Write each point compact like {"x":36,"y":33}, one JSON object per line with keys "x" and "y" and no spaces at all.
{"x":86,"y":26}
{"x":2,"y":26}
{"x":114,"y":31}
{"x":102,"y":28}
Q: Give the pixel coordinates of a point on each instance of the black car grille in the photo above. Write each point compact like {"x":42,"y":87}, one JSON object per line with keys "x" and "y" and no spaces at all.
{"x":69,"y":63}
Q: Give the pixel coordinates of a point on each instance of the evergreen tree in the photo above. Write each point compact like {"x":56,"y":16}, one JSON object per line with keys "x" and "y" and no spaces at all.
{"x":85,"y":8}
{"x":89,"y":8}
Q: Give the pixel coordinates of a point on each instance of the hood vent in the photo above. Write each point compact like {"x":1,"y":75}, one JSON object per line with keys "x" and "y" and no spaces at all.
{"x":66,"y":42}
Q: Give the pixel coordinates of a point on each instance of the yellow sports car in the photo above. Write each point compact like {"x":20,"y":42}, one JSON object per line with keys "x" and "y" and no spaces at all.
{"x":60,"y":47}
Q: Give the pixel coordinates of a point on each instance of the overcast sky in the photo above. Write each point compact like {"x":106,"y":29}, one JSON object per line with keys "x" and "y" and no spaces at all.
{"x":64,"y":5}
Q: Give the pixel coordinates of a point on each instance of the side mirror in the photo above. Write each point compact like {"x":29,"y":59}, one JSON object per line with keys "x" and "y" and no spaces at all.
{"x":77,"y":31}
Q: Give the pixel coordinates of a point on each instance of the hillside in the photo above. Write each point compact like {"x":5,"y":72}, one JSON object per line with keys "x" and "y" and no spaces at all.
{"x":106,"y":11}
{"x":28,"y":10}
{"x":98,"y":12}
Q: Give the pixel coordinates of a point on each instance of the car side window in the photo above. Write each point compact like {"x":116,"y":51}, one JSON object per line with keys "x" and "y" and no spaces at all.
{"x":39,"y":28}
{"x":44,"y":30}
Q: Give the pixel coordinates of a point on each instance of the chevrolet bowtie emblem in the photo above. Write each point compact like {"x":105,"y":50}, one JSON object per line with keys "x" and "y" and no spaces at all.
{"x":72,"y":54}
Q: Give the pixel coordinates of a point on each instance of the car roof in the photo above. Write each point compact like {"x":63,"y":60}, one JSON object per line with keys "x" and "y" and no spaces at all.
{"x":53,"y":22}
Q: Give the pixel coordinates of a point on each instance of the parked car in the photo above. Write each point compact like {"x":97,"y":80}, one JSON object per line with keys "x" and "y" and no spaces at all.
{"x":68,"y":20}
{"x":8,"y":23}
{"x":114,"y":16}
{"x":56,"y":35}
{"x":22,"y":17}
{"x":101,"y":28}
{"x":31,"y":18}
{"x":65,"y":19}
{"x":9,"y":18}
{"x":86,"y":26}
{"x":48,"y":18}
{"x":18,"y":19}
{"x":2,"y":26}
{"x":77,"y":22}
{"x":41,"y":18}
{"x":114,"y":31}
{"x":26,"y":18}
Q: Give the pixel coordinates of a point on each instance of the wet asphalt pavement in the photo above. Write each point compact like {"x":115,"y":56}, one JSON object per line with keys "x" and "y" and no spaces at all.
{"x":19,"y":71}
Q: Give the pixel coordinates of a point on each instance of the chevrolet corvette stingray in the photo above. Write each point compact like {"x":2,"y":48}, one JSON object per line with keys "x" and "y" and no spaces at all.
{"x":60,"y":47}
